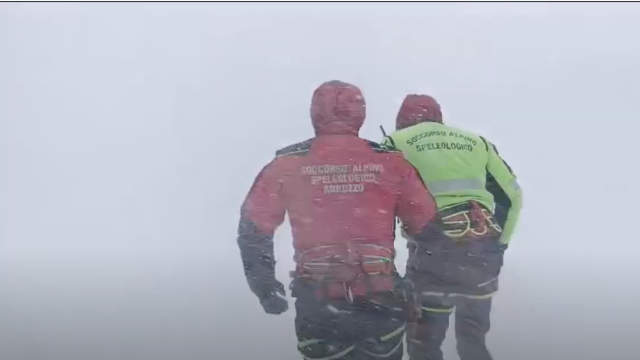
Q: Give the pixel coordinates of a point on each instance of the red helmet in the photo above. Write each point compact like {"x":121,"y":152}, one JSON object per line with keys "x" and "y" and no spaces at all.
{"x":337,"y":108}
{"x":416,"y":109}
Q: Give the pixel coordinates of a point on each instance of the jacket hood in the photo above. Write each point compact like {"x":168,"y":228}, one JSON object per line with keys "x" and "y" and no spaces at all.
{"x":416,"y":109}
{"x":337,"y":108}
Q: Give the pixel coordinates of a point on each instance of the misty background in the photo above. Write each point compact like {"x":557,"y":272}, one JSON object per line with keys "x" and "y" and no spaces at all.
{"x":131,"y":132}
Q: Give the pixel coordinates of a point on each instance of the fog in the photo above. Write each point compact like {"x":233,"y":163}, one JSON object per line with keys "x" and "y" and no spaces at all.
{"x":130,"y":134}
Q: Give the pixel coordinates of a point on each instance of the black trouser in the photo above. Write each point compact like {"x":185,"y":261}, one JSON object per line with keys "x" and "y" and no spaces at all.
{"x":344,"y":330}
{"x":472,"y":322}
{"x":459,"y":270}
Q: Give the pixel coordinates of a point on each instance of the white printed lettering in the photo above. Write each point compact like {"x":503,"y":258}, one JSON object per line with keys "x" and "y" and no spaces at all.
{"x":342,"y":179}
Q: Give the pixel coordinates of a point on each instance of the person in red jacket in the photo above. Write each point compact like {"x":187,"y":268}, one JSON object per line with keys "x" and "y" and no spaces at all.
{"x":342,"y":194}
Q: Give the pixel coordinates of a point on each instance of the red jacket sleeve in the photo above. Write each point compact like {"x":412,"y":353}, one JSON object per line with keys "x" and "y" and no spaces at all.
{"x":263,"y":205}
{"x":416,"y":207}
{"x":262,"y":212}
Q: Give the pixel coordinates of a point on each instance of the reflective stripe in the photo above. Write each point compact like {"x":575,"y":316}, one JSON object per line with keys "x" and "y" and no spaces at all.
{"x":488,"y":282}
{"x":395,"y":332}
{"x":308,"y":342}
{"x":332,"y":357}
{"x":455,"y":185}
{"x":395,"y":348}
{"x":463,"y":184}
{"x":305,"y":343}
{"x":445,"y":295}
{"x":436,"y":310}
{"x":514,"y":184}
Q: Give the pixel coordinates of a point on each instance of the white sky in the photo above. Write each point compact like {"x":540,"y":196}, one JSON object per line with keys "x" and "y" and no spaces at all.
{"x":130,"y":133}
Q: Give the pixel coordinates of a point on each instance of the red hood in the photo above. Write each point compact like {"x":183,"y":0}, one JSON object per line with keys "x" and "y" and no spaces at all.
{"x":416,"y":109}
{"x":337,"y":108}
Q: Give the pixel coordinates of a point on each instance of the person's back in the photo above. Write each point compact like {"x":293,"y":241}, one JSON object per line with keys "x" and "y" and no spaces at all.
{"x":345,"y":184}
{"x":342,"y":195}
{"x":479,"y":201}
{"x":456,"y":165}
{"x":455,"y":175}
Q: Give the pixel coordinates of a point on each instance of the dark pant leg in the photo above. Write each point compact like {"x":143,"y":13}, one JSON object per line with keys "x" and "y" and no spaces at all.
{"x":472,"y":325}
{"x":346,"y":331}
{"x":320,"y":336}
{"x":386,"y":341}
{"x":427,"y":332}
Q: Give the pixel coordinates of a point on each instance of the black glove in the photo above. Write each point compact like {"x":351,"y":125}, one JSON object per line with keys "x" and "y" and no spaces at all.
{"x":274,"y":301}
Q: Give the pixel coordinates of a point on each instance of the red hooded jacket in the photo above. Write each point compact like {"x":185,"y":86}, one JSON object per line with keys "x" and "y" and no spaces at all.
{"x":337,"y":189}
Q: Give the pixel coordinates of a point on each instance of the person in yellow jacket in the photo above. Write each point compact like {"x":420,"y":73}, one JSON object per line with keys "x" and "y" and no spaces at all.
{"x":479,"y":201}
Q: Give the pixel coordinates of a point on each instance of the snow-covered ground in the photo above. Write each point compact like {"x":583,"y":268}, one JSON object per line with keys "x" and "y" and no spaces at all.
{"x":130,"y":133}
